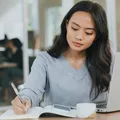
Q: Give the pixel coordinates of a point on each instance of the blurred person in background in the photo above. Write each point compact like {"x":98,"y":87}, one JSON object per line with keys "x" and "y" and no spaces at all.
{"x":12,"y":54}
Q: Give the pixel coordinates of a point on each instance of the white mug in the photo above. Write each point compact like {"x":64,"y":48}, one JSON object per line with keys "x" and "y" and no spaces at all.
{"x":84,"y":110}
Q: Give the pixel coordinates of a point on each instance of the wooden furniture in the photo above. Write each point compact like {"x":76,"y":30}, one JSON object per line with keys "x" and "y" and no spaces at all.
{"x":7,"y":65}
{"x":108,"y":116}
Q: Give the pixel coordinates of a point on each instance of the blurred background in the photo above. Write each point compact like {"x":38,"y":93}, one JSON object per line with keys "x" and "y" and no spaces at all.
{"x":29,"y":26}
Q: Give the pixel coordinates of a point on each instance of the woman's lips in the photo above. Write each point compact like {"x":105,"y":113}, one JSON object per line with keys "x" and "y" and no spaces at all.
{"x":76,"y":44}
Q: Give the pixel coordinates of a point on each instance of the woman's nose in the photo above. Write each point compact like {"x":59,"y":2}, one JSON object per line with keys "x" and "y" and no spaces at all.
{"x":79,"y":36}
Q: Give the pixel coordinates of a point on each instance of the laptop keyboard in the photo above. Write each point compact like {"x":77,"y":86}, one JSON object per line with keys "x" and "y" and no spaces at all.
{"x":101,"y":104}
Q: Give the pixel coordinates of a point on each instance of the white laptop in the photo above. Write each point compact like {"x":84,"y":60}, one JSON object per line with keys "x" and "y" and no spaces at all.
{"x":113,"y":102}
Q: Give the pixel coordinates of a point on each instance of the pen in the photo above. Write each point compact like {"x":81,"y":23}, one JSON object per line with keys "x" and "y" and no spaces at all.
{"x":16,"y":92}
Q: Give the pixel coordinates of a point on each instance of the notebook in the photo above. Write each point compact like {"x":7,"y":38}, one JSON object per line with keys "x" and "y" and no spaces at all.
{"x":50,"y":110}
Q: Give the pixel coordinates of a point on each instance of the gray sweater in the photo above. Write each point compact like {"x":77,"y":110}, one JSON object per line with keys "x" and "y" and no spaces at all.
{"x":55,"y":81}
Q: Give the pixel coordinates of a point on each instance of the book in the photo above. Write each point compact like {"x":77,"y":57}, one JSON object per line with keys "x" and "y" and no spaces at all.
{"x":50,"y":110}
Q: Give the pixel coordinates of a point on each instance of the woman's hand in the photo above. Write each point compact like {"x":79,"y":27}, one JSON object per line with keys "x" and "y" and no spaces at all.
{"x":20,"y":107}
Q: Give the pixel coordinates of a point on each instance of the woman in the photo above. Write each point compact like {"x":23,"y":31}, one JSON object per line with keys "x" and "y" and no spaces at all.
{"x":77,"y":67}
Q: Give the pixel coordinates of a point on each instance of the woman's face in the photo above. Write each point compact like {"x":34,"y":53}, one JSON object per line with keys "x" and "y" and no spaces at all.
{"x":80,"y":31}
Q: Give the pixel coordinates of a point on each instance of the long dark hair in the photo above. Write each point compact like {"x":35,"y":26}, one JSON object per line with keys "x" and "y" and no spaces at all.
{"x":98,"y":54}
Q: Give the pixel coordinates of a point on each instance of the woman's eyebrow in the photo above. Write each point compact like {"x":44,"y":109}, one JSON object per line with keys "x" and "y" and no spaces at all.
{"x":75,"y":24}
{"x":85,"y":28}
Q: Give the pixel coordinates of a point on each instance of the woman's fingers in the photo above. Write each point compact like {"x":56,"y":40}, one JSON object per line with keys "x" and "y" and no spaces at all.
{"x":27,"y":104}
{"x":19,"y":107}
{"x":18,"y":110}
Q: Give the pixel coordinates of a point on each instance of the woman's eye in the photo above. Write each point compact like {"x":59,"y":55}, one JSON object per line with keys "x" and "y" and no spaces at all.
{"x":75,"y":29}
{"x":88,"y":33}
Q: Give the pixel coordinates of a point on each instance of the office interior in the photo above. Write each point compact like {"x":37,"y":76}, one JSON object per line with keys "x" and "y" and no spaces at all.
{"x":36,"y":22}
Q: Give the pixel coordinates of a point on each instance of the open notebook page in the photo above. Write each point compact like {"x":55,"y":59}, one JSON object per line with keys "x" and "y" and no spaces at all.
{"x":32,"y":113}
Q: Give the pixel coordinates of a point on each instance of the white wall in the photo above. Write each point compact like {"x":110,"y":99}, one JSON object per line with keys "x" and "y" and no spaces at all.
{"x":6,"y":5}
{"x":12,"y":20}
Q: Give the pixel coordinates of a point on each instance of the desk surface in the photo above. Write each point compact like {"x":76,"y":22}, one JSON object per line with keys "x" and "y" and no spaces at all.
{"x":109,"y":116}
{"x":7,"y":65}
